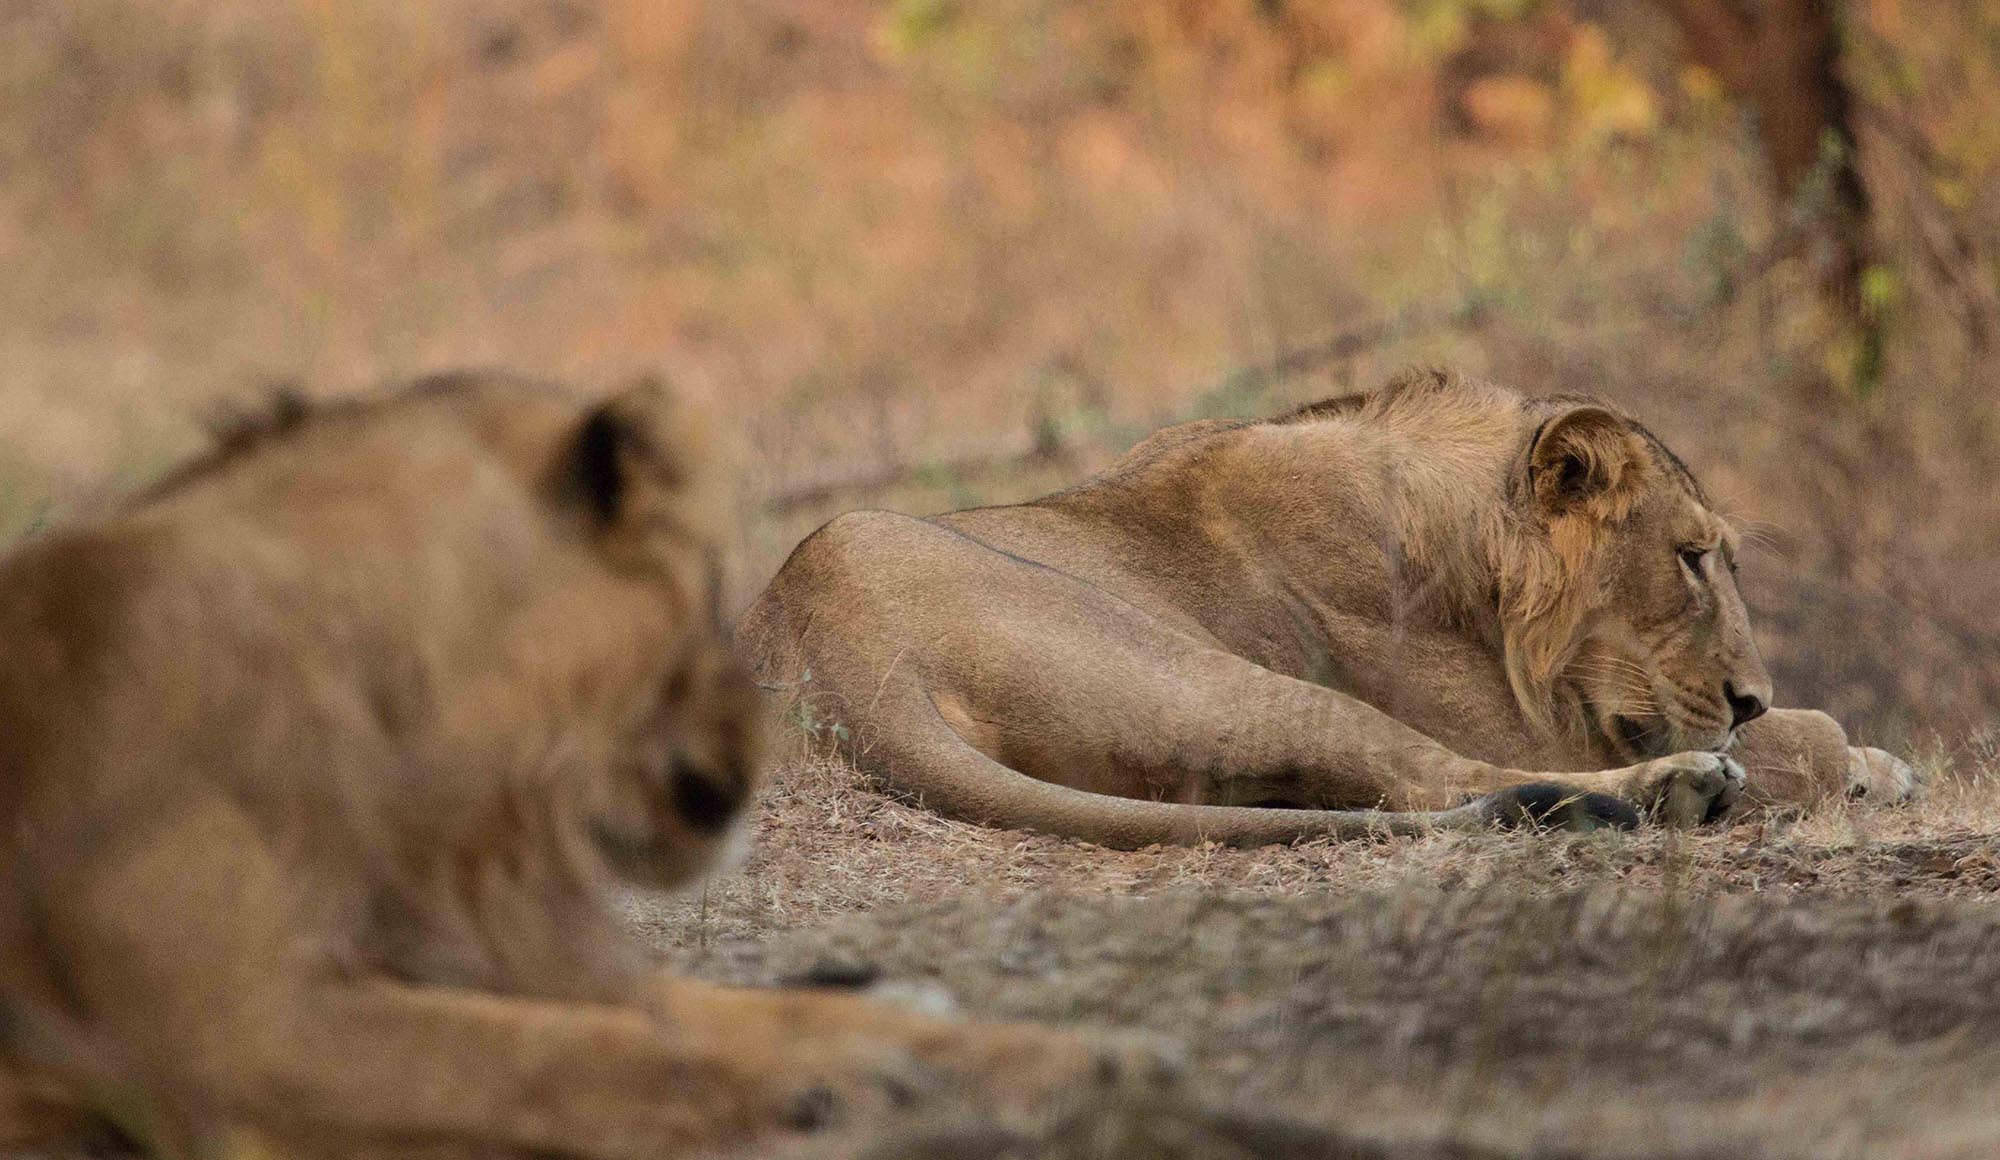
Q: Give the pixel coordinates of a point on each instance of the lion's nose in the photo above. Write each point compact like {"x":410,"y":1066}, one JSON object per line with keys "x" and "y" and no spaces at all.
{"x":1743,"y":706}
{"x":707,"y":798}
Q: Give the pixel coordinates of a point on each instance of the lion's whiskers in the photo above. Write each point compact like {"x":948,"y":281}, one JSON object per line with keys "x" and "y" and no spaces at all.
{"x":1630,"y":682}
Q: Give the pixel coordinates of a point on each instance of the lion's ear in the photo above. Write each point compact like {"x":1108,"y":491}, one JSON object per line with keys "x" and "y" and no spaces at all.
{"x":1584,"y":461}
{"x":635,"y":454}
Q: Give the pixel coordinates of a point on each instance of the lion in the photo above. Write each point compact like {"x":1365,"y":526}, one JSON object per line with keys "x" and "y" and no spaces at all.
{"x":1440,"y":604}
{"x":320,"y":757}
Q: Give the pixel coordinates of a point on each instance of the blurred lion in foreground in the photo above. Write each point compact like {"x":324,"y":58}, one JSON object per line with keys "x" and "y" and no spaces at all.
{"x":317,"y":761}
{"x":1367,"y":611}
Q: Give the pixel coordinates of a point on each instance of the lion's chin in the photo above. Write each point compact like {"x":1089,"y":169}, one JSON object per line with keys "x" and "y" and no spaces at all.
{"x":638,"y":861}
{"x":1637,"y":738}
{"x":1643,"y":738}
{"x":653,"y":864}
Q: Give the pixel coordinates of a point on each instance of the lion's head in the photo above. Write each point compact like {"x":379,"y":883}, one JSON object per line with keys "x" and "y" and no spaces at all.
{"x":1618,"y":587}
{"x":502,"y":583}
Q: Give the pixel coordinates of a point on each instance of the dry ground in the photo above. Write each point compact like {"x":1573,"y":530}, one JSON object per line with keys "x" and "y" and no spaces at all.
{"x":1825,"y":987}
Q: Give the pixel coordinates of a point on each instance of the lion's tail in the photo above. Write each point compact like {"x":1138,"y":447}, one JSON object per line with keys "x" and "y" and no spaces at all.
{"x":925,"y":759}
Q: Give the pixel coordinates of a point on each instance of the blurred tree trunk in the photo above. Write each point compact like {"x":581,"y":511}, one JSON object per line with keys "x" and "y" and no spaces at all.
{"x":1782,"y":58}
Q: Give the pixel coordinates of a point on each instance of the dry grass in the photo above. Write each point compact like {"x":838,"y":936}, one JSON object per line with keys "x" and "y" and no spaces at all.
{"x":1599,"y":1022}
{"x":1814,"y":988}
{"x":827,"y":846}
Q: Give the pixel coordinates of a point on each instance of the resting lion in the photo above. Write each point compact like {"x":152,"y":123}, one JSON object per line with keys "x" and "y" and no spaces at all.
{"x":1442,"y":604}
{"x":316,"y":762}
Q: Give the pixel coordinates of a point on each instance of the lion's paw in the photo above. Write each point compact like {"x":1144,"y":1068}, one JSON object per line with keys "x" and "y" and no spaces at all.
{"x":1880,"y":777}
{"x":1040,"y":1067}
{"x":1008,"y":1069}
{"x":1687,"y":789}
{"x":839,"y":1087}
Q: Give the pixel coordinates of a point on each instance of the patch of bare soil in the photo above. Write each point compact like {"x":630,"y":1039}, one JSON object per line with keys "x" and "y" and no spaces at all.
{"x":1825,"y":988}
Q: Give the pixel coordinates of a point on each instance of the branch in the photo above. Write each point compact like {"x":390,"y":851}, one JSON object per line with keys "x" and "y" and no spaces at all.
{"x":834,"y":485}
{"x":1041,"y":452}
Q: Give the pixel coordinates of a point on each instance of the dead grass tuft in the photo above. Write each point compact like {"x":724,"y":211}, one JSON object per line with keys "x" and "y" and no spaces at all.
{"x":829,"y":845}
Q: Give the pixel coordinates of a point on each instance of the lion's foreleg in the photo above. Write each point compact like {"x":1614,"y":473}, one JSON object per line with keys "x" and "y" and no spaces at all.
{"x":193,"y":946}
{"x":682,"y":1066}
{"x":831,"y":1030}
{"x":1788,"y":758}
{"x":686,"y":1066}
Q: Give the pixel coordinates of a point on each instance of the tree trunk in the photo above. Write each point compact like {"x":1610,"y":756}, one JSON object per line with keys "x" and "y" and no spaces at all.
{"x":1782,"y":57}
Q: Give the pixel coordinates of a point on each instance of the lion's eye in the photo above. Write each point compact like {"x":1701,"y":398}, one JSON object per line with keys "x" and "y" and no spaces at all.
{"x":1692,"y":559}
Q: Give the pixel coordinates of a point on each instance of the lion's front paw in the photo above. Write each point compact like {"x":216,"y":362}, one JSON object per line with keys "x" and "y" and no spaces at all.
{"x":994,"y":1068}
{"x":1686,"y":789}
{"x":840,"y":1085}
{"x":1880,"y":777}
{"x":1038,"y":1067}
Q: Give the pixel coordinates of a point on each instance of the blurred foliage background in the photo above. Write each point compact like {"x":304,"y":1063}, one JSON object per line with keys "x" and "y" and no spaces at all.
{"x":927,"y":253}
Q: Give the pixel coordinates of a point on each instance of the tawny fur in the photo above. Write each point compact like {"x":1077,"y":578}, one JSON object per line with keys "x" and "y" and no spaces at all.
{"x":1368,"y":611}
{"x":317,"y":760}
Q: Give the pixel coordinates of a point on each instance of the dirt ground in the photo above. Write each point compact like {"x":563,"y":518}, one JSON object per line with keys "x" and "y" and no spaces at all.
{"x":1822,"y":987}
